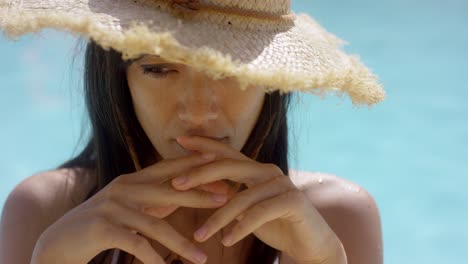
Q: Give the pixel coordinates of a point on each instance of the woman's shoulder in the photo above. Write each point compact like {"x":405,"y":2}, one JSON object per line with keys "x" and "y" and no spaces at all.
{"x":36,"y":203}
{"x":74,"y":183}
{"x":61,"y":189}
{"x":349,"y":209}
{"x":326,"y":189}
{"x":336,"y":197}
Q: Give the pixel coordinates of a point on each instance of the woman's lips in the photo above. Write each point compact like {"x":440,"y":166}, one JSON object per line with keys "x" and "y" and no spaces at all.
{"x":222,"y":140}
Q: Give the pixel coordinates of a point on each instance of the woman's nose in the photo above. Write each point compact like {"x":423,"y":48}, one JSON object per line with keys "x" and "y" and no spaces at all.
{"x":198,"y":101}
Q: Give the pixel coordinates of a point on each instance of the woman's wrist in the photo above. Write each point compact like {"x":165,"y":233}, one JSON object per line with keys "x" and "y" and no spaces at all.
{"x":37,"y":255}
{"x":336,"y":254}
{"x":40,"y":254}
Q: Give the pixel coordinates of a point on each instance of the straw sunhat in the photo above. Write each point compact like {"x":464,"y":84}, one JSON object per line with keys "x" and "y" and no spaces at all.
{"x":261,"y":42}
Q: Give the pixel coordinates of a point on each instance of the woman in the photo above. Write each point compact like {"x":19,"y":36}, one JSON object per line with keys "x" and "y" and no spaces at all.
{"x":187,"y":161}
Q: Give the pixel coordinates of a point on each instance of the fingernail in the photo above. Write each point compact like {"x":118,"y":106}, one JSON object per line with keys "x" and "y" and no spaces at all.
{"x":180,"y":180}
{"x":208,"y":156}
{"x":221,"y":198}
{"x":227,"y":240}
{"x":200,"y":256}
{"x":179,"y":138}
{"x":200,"y":233}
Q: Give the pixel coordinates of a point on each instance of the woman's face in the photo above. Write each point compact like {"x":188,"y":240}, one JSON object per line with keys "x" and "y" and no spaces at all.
{"x":172,"y":99}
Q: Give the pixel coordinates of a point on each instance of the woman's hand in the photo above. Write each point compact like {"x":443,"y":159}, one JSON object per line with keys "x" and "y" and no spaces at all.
{"x":110,"y":218}
{"x":272,"y":208}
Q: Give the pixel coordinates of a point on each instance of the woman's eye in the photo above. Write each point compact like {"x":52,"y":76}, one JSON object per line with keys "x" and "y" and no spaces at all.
{"x":158,"y":71}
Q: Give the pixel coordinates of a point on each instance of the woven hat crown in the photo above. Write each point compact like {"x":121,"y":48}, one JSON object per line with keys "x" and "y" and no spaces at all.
{"x":261,"y":42}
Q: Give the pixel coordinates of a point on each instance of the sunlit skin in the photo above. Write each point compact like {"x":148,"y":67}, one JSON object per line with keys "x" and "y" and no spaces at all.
{"x":173,"y":100}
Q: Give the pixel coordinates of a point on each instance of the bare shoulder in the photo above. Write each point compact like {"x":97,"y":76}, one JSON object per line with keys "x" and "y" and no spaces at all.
{"x":62,"y":188}
{"x":33,"y":205}
{"x":328,"y":190}
{"x":349,"y":209}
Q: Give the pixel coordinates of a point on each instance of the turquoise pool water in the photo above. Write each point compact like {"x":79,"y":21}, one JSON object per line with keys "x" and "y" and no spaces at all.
{"x":410,"y":152}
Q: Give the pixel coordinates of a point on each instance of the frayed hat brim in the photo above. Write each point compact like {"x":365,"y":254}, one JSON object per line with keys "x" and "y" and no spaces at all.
{"x":301,"y":56}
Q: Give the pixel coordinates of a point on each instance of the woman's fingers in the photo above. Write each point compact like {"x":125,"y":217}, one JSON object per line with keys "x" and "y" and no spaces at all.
{"x":166,"y":169}
{"x":156,"y":229}
{"x":248,"y":172}
{"x":215,"y":187}
{"x":141,"y":196}
{"x":161,"y":212}
{"x":219,"y":187}
{"x":207,"y":145}
{"x":117,"y":237}
{"x":240,"y":203}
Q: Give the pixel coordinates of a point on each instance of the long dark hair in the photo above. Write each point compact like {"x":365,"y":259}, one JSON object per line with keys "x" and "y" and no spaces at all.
{"x":106,"y":154}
